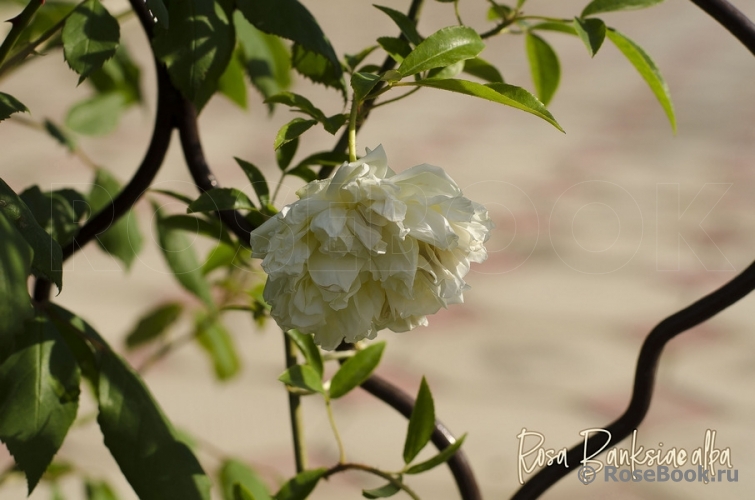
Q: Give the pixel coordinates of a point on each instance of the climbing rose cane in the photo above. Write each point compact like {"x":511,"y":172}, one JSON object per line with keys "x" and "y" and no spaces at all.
{"x":370,"y":249}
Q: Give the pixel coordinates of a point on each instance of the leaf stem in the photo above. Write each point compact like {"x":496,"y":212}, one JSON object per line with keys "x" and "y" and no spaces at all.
{"x":341,"y":451}
{"x":382,"y":103}
{"x":353,"y":129}
{"x":19,"y":23}
{"x":295,"y":411}
{"x":377,"y":472}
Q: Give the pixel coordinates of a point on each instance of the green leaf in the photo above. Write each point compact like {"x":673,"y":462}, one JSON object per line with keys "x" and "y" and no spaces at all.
{"x":546,"y":71}
{"x":356,"y":370}
{"x":119,"y":74}
{"x":317,"y":68}
{"x":647,"y":69}
{"x":600,"y":6}
{"x":49,"y":15}
{"x":98,"y":115}
{"x":10,"y":105}
{"x":560,"y":27}
{"x":443,"y":48}
{"x":301,"y":485}
{"x":197,"y":46}
{"x":353,"y":61}
{"x":438,"y":459}
{"x":60,"y":135}
{"x":363,"y":83}
{"x":232,"y":83}
{"x":407,"y":26}
{"x":328,"y":158}
{"x":421,"y":423}
{"x":498,"y":11}
{"x":304,"y":377}
{"x":257,"y":180}
{"x":58,"y":212}
{"x":48,"y":256}
{"x":15,"y":265}
{"x":153,"y":324}
{"x":335,"y":122}
{"x":385,"y":491}
{"x":291,"y":20}
{"x":99,"y":490}
{"x":304,"y":173}
{"x":158,"y":9}
{"x":482,"y":69}
{"x":397,"y":48}
{"x":122,"y":239}
{"x":39,"y":395}
{"x":217,"y":199}
{"x":234,"y":472}
{"x":266,"y":58}
{"x":298,"y":102}
{"x":182,"y":260}
{"x":446,"y":72}
{"x":292,"y":130}
{"x":90,"y":37}
{"x":240,"y":492}
{"x":210,"y":227}
{"x":221,"y":256}
{"x":81,"y":339}
{"x":285,"y":153}
{"x":157,"y":464}
{"x":592,"y":32}
{"x":306,"y":344}
{"x":217,"y":342}
{"x":501,"y":93}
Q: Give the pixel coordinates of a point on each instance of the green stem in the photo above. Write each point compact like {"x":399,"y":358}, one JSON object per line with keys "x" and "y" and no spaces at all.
{"x":383,"y":103}
{"x":19,"y":23}
{"x":377,"y":472}
{"x":353,"y":130}
{"x":456,"y":12}
{"x":341,"y":452}
{"x":295,"y":412}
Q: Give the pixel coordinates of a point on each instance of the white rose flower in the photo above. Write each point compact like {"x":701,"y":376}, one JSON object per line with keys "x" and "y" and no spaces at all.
{"x":370,"y":249}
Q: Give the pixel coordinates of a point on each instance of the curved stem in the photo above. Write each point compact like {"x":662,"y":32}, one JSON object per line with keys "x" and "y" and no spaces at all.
{"x":341,"y":467}
{"x":647,"y":364}
{"x":19,"y":22}
{"x":332,"y":420}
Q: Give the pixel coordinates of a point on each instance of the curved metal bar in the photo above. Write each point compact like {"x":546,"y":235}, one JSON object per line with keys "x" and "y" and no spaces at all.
{"x":732,"y":19}
{"x":441,"y":438}
{"x":650,"y":354}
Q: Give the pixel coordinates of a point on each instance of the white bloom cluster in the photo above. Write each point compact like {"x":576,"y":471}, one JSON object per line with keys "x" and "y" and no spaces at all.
{"x":370,"y":249}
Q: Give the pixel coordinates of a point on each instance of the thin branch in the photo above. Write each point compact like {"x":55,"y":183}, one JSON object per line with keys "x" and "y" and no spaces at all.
{"x":647,"y":364}
{"x":19,"y":23}
{"x":341,"y":467}
{"x":295,"y":411}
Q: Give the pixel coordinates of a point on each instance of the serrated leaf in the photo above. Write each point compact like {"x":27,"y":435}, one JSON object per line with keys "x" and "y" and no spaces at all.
{"x":592,"y":32}
{"x":158,"y":9}
{"x":182,"y":260}
{"x":197,"y":46}
{"x":50,"y":14}
{"x":234,"y":472}
{"x":600,"y":6}
{"x":356,"y":370}
{"x":335,"y":122}
{"x":438,"y":459}
{"x":286,"y":152}
{"x":59,"y":135}
{"x":257,"y":180}
{"x":10,"y":105}
{"x":15,"y":265}
{"x":122,"y":239}
{"x":443,"y":48}
{"x":90,"y":37}
{"x":421,"y":423}
{"x":301,"y":485}
{"x":501,"y":93}
{"x":317,"y":68}
{"x":397,"y":48}
{"x":266,"y":58}
{"x":306,"y":344}
{"x":217,"y":199}
{"x":352,"y":61}
{"x":119,"y":74}
{"x":363,"y":83}
{"x":232,"y":83}
{"x":210,"y":227}
{"x":48,"y":256}
{"x":98,"y":115}
{"x":153,"y":324}
{"x":81,"y":339}
{"x":482,"y":69}
{"x":647,"y":69}
{"x":303,"y":377}
{"x":291,"y":20}
{"x":39,"y":395}
{"x":217,"y":342}
{"x":99,"y":490}
{"x":58,"y":212}
{"x":385,"y":491}
{"x":292,"y":130}
{"x":298,"y":102}
{"x":157,"y":464}
{"x":407,"y":26}
{"x":544,"y":66}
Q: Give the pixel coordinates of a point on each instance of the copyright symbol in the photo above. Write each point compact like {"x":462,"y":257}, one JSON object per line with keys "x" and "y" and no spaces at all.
{"x":587,"y":474}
